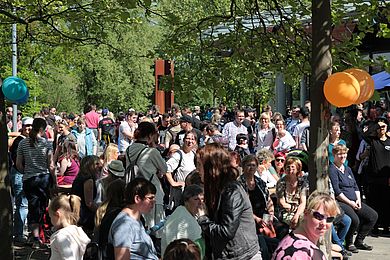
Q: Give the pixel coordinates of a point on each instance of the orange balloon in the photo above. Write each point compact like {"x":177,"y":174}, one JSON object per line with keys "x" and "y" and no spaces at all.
{"x":341,"y":89}
{"x":366,"y":84}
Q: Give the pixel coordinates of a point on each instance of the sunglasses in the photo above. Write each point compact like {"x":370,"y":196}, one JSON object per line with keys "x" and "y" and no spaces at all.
{"x":321,"y":217}
{"x":279,"y":160}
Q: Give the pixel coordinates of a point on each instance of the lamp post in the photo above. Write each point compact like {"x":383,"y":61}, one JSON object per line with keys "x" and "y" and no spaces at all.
{"x":14,"y":73}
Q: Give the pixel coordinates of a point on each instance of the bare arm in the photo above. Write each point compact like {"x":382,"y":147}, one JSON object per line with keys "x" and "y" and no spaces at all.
{"x":88,"y":194}
{"x":121,"y":253}
{"x":63,"y":166}
{"x":172,"y":181}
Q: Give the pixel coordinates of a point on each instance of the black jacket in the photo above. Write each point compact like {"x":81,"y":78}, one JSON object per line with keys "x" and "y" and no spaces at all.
{"x":232,"y":232}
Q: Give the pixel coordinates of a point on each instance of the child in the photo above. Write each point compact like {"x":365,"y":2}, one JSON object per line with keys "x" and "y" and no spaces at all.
{"x":68,"y":241}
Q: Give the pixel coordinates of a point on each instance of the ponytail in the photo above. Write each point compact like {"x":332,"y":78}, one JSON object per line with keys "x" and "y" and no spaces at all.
{"x":70,"y":205}
{"x":38,"y":125}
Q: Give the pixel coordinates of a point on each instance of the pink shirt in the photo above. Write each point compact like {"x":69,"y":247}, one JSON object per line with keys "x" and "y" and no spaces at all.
{"x":92,"y":119}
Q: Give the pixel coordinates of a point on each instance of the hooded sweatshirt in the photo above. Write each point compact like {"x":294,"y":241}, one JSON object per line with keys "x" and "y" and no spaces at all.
{"x":68,"y":243}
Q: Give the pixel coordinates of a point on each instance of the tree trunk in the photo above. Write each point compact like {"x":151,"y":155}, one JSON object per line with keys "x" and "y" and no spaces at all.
{"x":6,"y":225}
{"x":320,"y":112}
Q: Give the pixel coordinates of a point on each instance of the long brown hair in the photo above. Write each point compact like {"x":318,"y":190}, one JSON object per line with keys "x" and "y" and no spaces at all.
{"x":218,"y":172}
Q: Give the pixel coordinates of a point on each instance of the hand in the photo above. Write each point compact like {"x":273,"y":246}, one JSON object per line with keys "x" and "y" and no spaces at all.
{"x":178,"y":184}
{"x":353,"y":204}
{"x":359,"y":204}
{"x":294,"y":222}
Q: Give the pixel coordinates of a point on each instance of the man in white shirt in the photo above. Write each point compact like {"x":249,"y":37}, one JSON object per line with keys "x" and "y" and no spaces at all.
{"x":231,"y":129}
{"x":304,"y":114}
{"x":126,"y":131}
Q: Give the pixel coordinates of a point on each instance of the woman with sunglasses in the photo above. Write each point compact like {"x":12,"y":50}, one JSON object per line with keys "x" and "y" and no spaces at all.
{"x":318,"y":216}
{"x":347,"y":193}
{"x":291,"y":191}
{"x":278,"y":164}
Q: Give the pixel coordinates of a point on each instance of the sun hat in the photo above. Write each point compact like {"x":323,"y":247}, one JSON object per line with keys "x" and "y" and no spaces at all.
{"x":116,"y":168}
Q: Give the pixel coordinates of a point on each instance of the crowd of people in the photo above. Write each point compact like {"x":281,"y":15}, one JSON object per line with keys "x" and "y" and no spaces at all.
{"x":198,"y":184}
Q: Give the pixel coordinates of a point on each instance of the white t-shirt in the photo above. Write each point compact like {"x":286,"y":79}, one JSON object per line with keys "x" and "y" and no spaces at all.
{"x":299,"y":130}
{"x":123,"y":140}
{"x":187,"y":164}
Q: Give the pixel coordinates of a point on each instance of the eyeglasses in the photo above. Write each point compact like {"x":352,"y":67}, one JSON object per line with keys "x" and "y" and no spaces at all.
{"x":279,"y":160}
{"x":321,"y":217}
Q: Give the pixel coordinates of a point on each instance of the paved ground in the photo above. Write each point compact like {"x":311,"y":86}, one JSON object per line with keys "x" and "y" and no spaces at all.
{"x":381,"y":251}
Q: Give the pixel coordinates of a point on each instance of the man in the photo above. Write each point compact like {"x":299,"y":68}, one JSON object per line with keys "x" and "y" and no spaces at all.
{"x":126,"y":131}
{"x":195,"y":121}
{"x":231,"y":129}
{"x":305,"y":122}
{"x":186,"y":125}
{"x":215,"y":136}
{"x":172,"y":131}
{"x":92,"y":119}
{"x":20,"y":200}
{"x":293,"y":121}
{"x":106,"y":129}
{"x":163,"y":128}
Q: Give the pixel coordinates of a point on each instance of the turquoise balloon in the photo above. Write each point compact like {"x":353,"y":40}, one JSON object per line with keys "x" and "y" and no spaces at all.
{"x":23,"y":100}
{"x":14,"y":88}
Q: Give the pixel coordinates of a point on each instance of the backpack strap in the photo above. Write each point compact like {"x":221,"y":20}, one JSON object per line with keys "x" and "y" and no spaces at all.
{"x":178,"y":166}
{"x":132,"y":164}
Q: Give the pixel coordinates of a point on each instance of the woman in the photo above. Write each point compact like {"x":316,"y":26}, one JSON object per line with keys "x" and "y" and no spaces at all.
{"x":265,"y":134}
{"x":69,"y":164}
{"x":347,"y":193}
{"x":179,"y":166}
{"x":84,"y":187}
{"x":283,"y":141}
{"x":182,"y":223}
{"x":291,"y":191}
{"x":229,"y":227}
{"x":150,"y":164}
{"x":86,"y":140}
{"x":110,"y":153}
{"x":35,"y":161}
{"x":127,"y":234}
{"x":317,"y":219}
{"x":265,"y":171}
{"x":334,"y":138}
{"x":278,"y":164}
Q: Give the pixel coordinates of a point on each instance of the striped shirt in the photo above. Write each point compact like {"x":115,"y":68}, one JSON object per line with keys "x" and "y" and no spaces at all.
{"x":35,"y":158}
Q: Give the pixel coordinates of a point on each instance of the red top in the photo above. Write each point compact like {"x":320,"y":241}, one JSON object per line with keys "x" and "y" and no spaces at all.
{"x":92,"y":119}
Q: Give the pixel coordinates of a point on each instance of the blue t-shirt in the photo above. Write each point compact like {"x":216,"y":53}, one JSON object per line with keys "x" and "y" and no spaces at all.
{"x":129,"y":233}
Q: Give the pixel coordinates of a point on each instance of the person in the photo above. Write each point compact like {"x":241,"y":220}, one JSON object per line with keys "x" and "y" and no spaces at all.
{"x":107,"y":212}
{"x":92,"y":120}
{"x":64,"y":136}
{"x":242,"y":147}
{"x":283,"y":140}
{"x":182,"y":249}
{"x":334,"y":138}
{"x":115,"y":171}
{"x":304,"y":115}
{"x":182,"y":223}
{"x":378,"y":171}
{"x":229,"y":227}
{"x":35,"y":161}
{"x":347,"y":193}
{"x":293,"y":121}
{"x":126,"y":131}
{"x":265,"y":134}
{"x":186,"y":122}
{"x":16,"y":178}
{"x":86,"y":139}
{"x":301,"y":243}
{"x":179,"y":165}
{"x":84,"y":187}
{"x":265,"y":171}
{"x":106,"y":129}
{"x":68,"y":240}
{"x":150,"y":164}
{"x":291,"y":192}
{"x":278,"y":164}
{"x":110,"y":153}
{"x":127,"y":235}
{"x":231,"y":129}
{"x":69,"y":164}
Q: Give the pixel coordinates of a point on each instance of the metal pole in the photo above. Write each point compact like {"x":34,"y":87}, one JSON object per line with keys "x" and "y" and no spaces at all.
{"x":14,"y":73}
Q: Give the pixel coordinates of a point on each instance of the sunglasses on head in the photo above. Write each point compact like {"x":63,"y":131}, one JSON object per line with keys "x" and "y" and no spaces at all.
{"x":321,"y":217}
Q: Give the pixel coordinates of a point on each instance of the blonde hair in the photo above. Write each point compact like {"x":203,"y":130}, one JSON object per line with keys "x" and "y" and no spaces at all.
{"x":69,"y":204}
{"x":110,"y":150}
{"x":318,"y":199}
